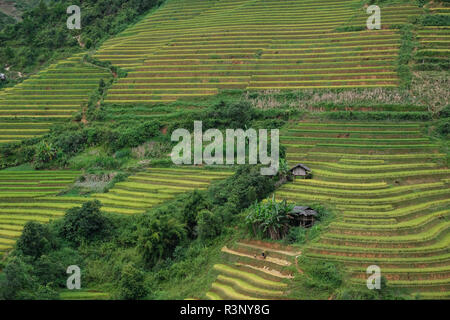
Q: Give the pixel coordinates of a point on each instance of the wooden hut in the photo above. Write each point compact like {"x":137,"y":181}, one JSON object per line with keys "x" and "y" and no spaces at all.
{"x":303,"y":216}
{"x":300,"y":170}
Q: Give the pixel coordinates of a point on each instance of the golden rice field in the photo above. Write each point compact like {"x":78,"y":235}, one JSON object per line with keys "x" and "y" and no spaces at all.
{"x":391,"y":188}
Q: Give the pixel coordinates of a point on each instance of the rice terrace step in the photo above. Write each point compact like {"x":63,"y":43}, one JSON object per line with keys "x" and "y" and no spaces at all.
{"x":254,"y":270}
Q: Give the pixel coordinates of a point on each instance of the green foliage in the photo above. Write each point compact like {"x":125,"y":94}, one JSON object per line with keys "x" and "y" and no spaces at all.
{"x":42,"y":35}
{"x":35,"y":240}
{"x":5,"y":20}
{"x":44,"y":153}
{"x":115,"y":70}
{"x":85,"y":223}
{"x":242,"y":189}
{"x":221,"y":115}
{"x":189,"y":209}
{"x":443,"y":127}
{"x":66,"y":141}
{"x":445,"y":112}
{"x":159,"y":233}
{"x":19,"y":283}
{"x":322,"y":275}
{"x":209,"y":225}
{"x":296,"y":235}
{"x":284,"y":170}
{"x":435,"y":20}
{"x":131,"y":285}
{"x":269,"y":218}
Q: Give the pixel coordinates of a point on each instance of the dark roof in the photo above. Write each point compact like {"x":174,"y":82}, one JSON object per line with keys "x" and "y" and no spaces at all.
{"x":304,"y":210}
{"x":300,"y":165}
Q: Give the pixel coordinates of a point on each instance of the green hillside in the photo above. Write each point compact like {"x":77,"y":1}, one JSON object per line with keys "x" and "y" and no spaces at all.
{"x":390,"y":185}
{"x":252,"y":45}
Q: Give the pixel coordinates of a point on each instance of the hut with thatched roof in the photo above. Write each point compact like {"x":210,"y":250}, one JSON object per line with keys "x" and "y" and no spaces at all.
{"x":300,"y":170}
{"x":303,"y":216}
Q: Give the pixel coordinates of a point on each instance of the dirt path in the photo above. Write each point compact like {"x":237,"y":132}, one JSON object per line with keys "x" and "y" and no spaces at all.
{"x":277,"y":261}
{"x":268,"y":247}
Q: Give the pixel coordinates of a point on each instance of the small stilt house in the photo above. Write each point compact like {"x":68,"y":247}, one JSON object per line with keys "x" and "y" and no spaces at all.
{"x":303,"y":216}
{"x":300,"y":170}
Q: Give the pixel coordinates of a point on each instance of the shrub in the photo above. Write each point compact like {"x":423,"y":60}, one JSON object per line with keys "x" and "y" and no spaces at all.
{"x":50,"y":270}
{"x":35,"y":240}
{"x":296,"y":235}
{"x":44,"y":153}
{"x":270,"y":218}
{"x":210,"y":225}
{"x":123,"y":153}
{"x":131,"y":284}
{"x":18,"y":283}
{"x":159,"y":233}
{"x":443,"y":127}
{"x":241,"y":190}
{"x":444,"y":112}
{"x":323,"y":275}
{"x":17,"y":278}
{"x":189,"y":208}
{"x":85,"y":223}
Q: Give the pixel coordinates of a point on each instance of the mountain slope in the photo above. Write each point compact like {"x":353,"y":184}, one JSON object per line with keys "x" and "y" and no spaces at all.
{"x":391,"y":187}
{"x":195,"y":48}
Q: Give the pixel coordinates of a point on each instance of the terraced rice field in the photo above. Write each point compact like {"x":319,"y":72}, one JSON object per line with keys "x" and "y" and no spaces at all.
{"x":434,"y":48}
{"x":391,"y":188}
{"x":392,"y":14}
{"x":84,"y":295}
{"x":33,"y":195}
{"x":29,"y":196}
{"x":433,"y":52}
{"x":154,"y":186}
{"x":53,"y":95}
{"x":195,"y":48}
{"x":246,"y":276}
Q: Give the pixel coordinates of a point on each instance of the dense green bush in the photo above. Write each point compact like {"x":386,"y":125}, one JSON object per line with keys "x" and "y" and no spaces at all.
{"x":445,"y":112}
{"x":296,"y":235}
{"x":85,"y":223}
{"x":443,"y":127}
{"x":269,"y":219}
{"x":19,"y":283}
{"x":241,"y":190}
{"x":323,"y":275}
{"x":209,"y":225}
{"x":159,"y":233}
{"x":131,"y":285}
{"x":35,"y":240}
{"x":44,"y":153}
